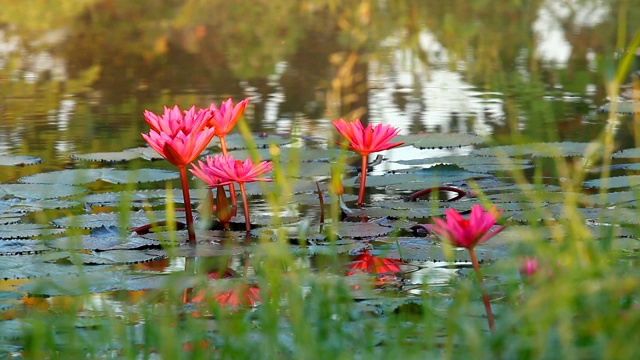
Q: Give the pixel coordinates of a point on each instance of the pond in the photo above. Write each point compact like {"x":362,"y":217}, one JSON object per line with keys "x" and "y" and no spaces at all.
{"x":498,"y":99}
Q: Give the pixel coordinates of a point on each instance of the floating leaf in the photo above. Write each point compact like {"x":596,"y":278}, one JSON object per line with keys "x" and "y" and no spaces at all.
{"x":69,"y":177}
{"x":622,"y":107}
{"x":139,"y":198}
{"x":21,"y":247}
{"x":358,"y":230}
{"x":96,"y":282}
{"x":119,"y":156}
{"x":203,"y":236}
{"x":39,"y":266}
{"x":551,"y":149}
{"x":614,"y":182}
{"x":236,"y":141}
{"x":135,"y":219}
{"x":147,"y":153}
{"x":103,"y":243}
{"x":610,"y":198}
{"x":39,"y":205}
{"x":24,"y":231}
{"x":631,"y":153}
{"x":138,"y":176}
{"x":630,"y":167}
{"x":440,"y":141}
{"x":42,"y":191}
{"x":18,"y":160}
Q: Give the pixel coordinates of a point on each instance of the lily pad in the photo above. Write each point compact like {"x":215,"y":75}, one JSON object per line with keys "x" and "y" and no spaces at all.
{"x":236,"y":141}
{"x":25,"y":231}
{"x":113,"y":257}
{"x":40,"y":266}
{"x":103,"y":243}
{"x":440,"y":141}
{"x":69,"y":177}
{"x":551,"y":149}
{"x":622,"y":107}
{"x":119,"y":156}
{"x":29,"y":206}
{"x":18,"y":160}
{"x":42,"y":191}
{"x":85,"y":176}
{"x":138,"y":176}
{"x":139,"y":198}
{"x":134,"y":219}
{"x":627,"y":153}
{"x":358,"y":230}
{"x":21,"y":247}
{"x":614,"y":182}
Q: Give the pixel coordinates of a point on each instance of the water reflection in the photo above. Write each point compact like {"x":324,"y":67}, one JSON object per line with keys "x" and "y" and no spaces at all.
{"x":384,"y":62}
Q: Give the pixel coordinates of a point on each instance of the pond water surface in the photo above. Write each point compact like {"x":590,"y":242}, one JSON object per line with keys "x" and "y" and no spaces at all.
{"x":76,"y":76}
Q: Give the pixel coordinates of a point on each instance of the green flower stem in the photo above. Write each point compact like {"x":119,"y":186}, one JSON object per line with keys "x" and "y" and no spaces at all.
{"x":485,"y":297}
{"x":245,"y":205}
{"x":363,"y":180}
{"x":187,"y":204}
{"x":232,"y":188}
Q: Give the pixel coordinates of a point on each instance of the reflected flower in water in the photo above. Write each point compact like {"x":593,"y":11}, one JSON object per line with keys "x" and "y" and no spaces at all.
{"x":240,"y":295}
{"x":366,"y":140}
{"x":224,"y":169}
{"x":368,"y":263}
{"x":180,"y":138}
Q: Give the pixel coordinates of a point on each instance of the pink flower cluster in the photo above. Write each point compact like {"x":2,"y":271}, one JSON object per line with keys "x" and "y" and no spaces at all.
{"x":180,"y":137}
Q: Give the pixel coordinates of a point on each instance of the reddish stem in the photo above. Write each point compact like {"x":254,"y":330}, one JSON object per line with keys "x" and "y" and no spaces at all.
{"x":320,"y":198}
{"x":145,"y":229}
{"x":245,"y":205}
{"x":187,"y":204}
{"x":363,"y":180}
{"x":460,"y":193}
{"x":485,"y":297}
{"x":232,"y":188}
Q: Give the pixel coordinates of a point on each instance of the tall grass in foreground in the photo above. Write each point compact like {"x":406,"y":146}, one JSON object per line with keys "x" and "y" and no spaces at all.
{"x":582,"y":302}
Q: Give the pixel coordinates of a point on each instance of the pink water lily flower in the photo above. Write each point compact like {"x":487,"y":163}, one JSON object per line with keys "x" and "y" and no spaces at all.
{"x":529,"y":266}
{"x":180,"y":149}
{"x":467,"y":233}
{"x":224,"y":169}
{"x":366,"y":140}
{"x":180,"y":138}
{"x":173,"y":120}
{"x":223,"y":119}
{"x":221,"y":170}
